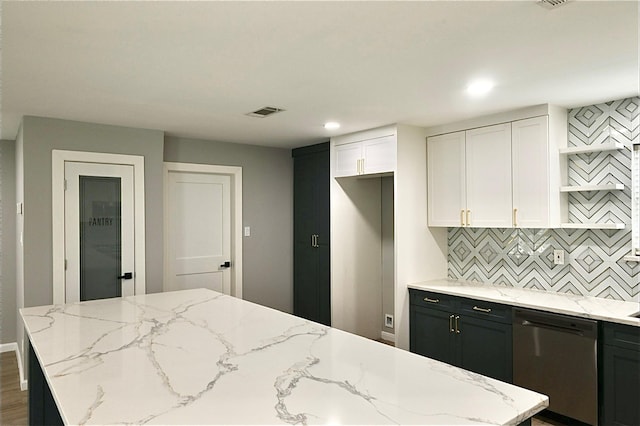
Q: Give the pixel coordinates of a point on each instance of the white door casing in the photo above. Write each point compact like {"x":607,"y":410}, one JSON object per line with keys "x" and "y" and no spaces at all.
{"x":96,"y":162}
{"x":203,"y":227}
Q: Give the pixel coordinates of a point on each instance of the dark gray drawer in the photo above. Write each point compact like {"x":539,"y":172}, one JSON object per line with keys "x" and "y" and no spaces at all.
{"x":620,"y":335}
{"x":429,"y":299}
{"x":487,"y":310}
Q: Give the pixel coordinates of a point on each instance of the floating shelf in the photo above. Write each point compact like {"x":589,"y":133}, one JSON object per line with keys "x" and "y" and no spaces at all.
{"x":613,"y":146}
{"x":583,"y":188}
{"x":592,"y":225}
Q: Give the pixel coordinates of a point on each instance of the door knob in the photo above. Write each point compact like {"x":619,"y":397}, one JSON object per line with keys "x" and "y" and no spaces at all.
{"x":226,"y":264}
{"x":126,"y":276}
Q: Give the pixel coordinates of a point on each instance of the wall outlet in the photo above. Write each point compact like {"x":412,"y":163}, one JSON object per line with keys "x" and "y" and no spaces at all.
{"x":388,"y":320}
{"x":558,"y":257}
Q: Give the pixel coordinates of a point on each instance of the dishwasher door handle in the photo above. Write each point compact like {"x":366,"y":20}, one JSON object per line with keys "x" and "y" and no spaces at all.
{"x":552,"y":327}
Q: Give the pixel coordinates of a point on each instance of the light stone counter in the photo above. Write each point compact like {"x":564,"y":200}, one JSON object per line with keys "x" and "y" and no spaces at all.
{"x":199,"y":357}
{"x":581,"y":306}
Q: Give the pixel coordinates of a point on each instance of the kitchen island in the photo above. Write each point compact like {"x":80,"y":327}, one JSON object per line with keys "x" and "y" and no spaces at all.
{"x":200,"y":357}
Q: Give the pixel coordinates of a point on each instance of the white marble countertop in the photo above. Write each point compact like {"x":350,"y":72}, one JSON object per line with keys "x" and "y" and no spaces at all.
{"x":581,"y":306}
{"x":199,"y":357}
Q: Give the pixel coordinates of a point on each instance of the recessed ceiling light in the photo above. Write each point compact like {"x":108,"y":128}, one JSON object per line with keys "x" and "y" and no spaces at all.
{"x":331,"y":125}
{"x":480,"y":87}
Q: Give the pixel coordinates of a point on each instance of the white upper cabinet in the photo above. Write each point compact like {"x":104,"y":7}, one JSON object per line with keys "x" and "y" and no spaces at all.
{"x":348,"y":158}
{"x":488,"y":177}
{"x":371,"y":156}
{"x":446,"y":196}
{"x":500,"y":176}
{"x":469,"y":178}
{"x":530,"y":172}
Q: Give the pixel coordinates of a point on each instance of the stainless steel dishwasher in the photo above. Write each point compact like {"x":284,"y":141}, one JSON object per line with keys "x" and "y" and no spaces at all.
{"x":557,"y":355}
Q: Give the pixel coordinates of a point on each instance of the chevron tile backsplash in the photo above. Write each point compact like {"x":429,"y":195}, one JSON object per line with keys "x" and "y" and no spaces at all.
{"x":594,"y":262}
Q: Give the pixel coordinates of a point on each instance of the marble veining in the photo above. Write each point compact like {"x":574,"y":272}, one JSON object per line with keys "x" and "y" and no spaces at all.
{"x":199,"y":357}
{"x":596,"y":308}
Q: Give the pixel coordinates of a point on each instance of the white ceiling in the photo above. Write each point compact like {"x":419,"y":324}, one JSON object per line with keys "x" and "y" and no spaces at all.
{"x":194,"y":69}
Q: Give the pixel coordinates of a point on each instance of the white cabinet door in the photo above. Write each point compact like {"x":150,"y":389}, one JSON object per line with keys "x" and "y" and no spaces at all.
{"x":347,"y":159}
{"x":530,"y":163}
{"x":488,"y":176}
{"x":446,"y":203}
{"x":379,"y":155}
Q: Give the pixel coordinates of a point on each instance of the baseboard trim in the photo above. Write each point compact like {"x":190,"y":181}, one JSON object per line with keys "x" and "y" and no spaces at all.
{"x":389,"y":337}
{"x":8,"y":347}
{"x":13,"y":346}
{"x":24,"y":385}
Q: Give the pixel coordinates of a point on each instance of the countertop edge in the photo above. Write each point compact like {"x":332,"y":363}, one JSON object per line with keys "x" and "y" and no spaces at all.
{"x":457,"y":288}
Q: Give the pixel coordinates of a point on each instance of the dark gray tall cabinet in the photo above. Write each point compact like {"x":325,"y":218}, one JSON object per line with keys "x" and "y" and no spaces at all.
{"x":311,"y":256}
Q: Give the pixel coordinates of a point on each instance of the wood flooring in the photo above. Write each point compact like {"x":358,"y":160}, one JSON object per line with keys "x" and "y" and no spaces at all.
{"x":13,"y":401}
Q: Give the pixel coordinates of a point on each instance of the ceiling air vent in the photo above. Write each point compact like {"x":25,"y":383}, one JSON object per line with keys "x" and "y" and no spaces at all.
{"x":552,"y":4}
{"x":264,"y":112}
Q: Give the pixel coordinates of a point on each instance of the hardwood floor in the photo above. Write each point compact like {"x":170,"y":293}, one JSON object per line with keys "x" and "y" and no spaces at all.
{"x":13,"y":401}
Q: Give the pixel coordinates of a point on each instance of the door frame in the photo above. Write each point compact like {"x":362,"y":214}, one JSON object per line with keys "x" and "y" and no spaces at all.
{"x":235,"y":172}
{"x":58,"y":158}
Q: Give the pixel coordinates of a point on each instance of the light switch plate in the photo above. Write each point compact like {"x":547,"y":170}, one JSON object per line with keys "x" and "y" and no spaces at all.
{"x":247,"y":231}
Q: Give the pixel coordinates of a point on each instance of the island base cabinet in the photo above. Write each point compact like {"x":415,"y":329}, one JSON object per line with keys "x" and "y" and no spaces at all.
{"x":620,"y":375}
{"x":42,"y":407}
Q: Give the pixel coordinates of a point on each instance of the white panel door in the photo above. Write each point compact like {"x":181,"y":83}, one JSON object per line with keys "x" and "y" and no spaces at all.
{"x":379,"y":155}
{"x":446,"y":180}
{"x":99,"y":231}
{"x":488,"y":177}
{"x":530,"y":163}
{"x":199,"y":231}
{"x":347,"y":159}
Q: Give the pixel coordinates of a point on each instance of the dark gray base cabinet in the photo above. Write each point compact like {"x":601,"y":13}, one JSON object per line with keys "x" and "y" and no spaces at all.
{"x":470,"y":334}
{"x":620,"y":375}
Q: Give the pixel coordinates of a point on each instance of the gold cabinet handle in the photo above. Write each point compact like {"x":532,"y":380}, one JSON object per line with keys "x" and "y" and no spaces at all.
{"x":485,"y":310}
{"x":461,"y":217}
{"x":426,"y":299}
{"x":457,"y":325}
{"x":451,"y":329}
{"x":468,"y":217}
{"x":515,"y":217}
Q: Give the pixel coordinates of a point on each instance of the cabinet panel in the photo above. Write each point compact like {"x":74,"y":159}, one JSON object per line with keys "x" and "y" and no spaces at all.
{"x":620,"y":375}
{"x":621,"y":387}
{"x":530,"y":171}
{"x":485,"y":347}
{"x":347,"y":158}
{"x":431,"y":335}
{"x":311,"y":261}
{"x":446,"y":179}
{"x":488,"y":176}
{"x":379,"y":155}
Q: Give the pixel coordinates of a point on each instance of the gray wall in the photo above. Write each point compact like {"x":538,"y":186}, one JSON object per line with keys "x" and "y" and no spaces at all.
{"x":8,"y":302}
{"x":267,"y":204}
{"x":39,"y":137}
